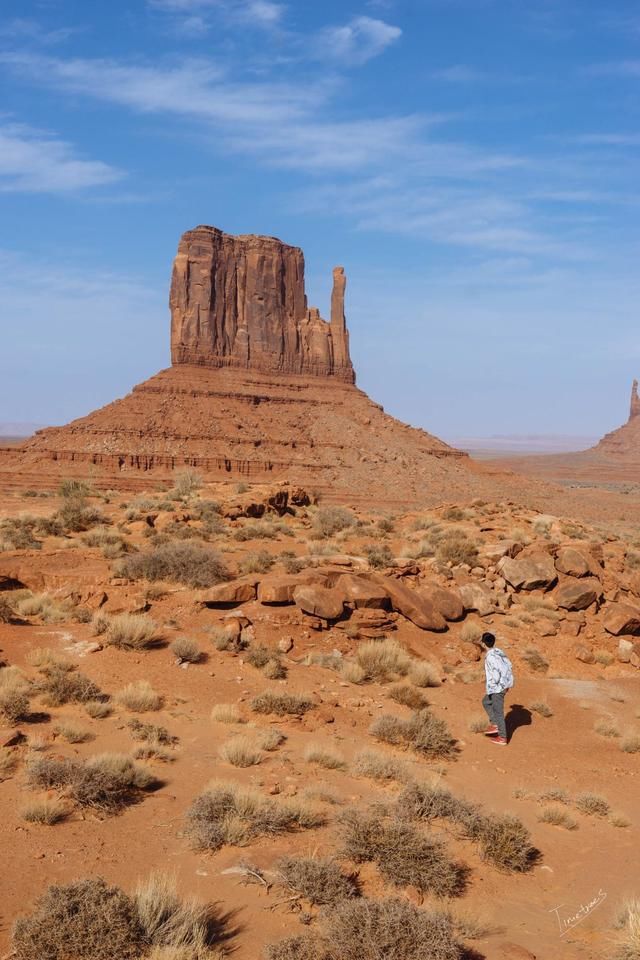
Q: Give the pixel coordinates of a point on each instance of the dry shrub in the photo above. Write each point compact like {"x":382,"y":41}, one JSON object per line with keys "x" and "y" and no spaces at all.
{"x":61,"y":685}
{"x":407,"y":696}
{"x":45,"y":659}
{"x":619,"y":820}
{"x":455,"y":547}
{"x":262,"y":658}
{"x":83,"y":920}
{"x":71,"y":732}
{"x":43,"y":606}
{"x":592,"y":804}
{"x":241,"y":752}
{"x":478,"y":723}
{"x":97,"y":709}
{"x":320,"y":881}
{"x":281,"y":704}
{"x":630,"y":743}
{"x":607,"y":728}
{"x":378,"y":555}
{"x":8,"y":764}
{"x":403,"y":854}
{"x":535,"y":660}
{"x":46,"y":810}
{"x":542,"y":708}
{"x":184,"y":926}
{"x":382,"y":660}
{"x":504,"y":841}
{"x":183,"y":562}
{"x":331,"y":520}
{"x":628,"y":922}
{"x":6,"y":612}
{"x":303,"y":947}
{"x":422,"y":732}
{"x":471,"y":632}
{"x":139,"y":696}
{"x":270,"y":739}
{"x":131,"y":631}
{"x":379,"y":766}
{"x":150,"y":732}
{"x":229,"y":814}
{"x":352,"y":672}
{"x":425,"y":801}
{"x":274,"y":669}
{"x":226,"y":713}
{"x":424,"y":674}
{"x":186,"y":650}
{"x":259,"y":562}
{"x":75,"y":515}
{"x":324,"y":757}
{"x":558,"y":817}
{"x":107,"y":782}
{"x":14,"y":695}
{"x":556,"y":794}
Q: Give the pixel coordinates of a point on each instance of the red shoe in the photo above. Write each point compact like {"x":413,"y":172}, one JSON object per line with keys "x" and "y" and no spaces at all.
{"x":491,"y":731}
{"x":502,"y":741}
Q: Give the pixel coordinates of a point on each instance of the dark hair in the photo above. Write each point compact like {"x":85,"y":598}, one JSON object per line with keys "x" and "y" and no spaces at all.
{"x":488,"y":639}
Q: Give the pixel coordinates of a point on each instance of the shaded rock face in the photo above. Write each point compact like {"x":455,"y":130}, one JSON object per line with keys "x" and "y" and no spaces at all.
{"x":241,"y":302}
{"x":634,"y":409}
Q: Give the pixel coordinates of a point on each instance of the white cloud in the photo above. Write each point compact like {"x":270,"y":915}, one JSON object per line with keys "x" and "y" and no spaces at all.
{"x":459,"y":73}
{"x":620,"y":68}
{"x":357,"y":41}
{"x":259,"y":13}
{"x":609,"y":139}
{"x":33,"y":161}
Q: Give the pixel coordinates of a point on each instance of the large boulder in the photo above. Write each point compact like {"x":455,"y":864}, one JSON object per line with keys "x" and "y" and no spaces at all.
{"x":446,"y":601}
{"x":412,"y":605}
{"x":276,"y":589}
{"x":324,"y":602}
{"x":478,"y":597}
{"x":363,"y":591}
{"x":503,"y":548}
{"x":535,"y":572}
{"x":236,"y":591}
{"x":578,"y":594}
{"x":622,"y":619}
{"x":573,"y":563}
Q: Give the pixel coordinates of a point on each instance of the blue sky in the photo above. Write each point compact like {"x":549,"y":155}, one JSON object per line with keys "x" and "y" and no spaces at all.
{"x":472,"y":163}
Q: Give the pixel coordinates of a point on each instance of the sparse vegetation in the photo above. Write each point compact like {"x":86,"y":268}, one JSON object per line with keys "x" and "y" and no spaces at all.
{"x":379,"y":766}
{"x":139,"y":696}
{"x":628,"y":922}
{"x":470,"y":632}
{"x":14,"y":695}
{"x":423,"y":674}
{"x":378,"y":556}
{"x":150,"y":732}
{"x":535,"y":660}
{"x":230,"y":814}
{"x":542,"y":708}
{"x":107,"y":782}
{"x":382,"y":660}
{"x":558,"y":817}
{"x":259,"y":562}
{"x":61,"y":685}
{"x":320,"y":881}
{"x":407,"y":696}
{"x":607,"y":728}
{"x":324,"y":757}
{"x":331,"y":520}
{"x":226,"y":713}
{"x":131,"y":631}
{"x":186,"y":650}
{"x":456,"y":548}
{"x":71,"y":732}
{"x":630,"y":743}
{"x":423,"y":732}
{"x":281,"y":704}
{"x":592,"y":804}
{"x":45,"y":810}
{"x":241,"y":751}
{"x":183,"y":562}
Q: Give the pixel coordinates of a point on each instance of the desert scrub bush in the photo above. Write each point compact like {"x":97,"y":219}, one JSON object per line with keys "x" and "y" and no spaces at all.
{"x":86,"y":920}
{"x":241,"y":751}
{"x":455,"y":547}
{"x":557,"y":817}
{"x":427,"y":801}
{"x":131,"y":631}
{"x":318,"y":880}
{"x":44,"y":659}
{"x":259,"y":562}
{"x":106,"y":782}
{"x":407,"y":696}
{"x":352,"y":672}
{"x":293,"y":564}
{"x":150,"y":732}
{"x":382,"y":659}
{"x":607,"y":728}
{"x":331,"y":520}
{"x":230,"y":814}
{"x":18,"y":533}
{"x":379,"y":766}
{"x":97,"y":709}
{"x":225,"y":639}
{"x":43,"y":606}
{"x":592,"y":804}
{"x":8,"y":764}
{"x":478,"y":723}
{"x":71,"y":732}
{"x":176,"y":929}
{"x":139,"y":696}
{"x":423,"y":674}
{"x":267,"y":660}
{"x":75,"y":515}
{"x":14,"y":695}
{"x":378,"y":556}
{"x":186,"y":650}
{"x":281,"y":704}
{"x":542,"y":708}
{"x":359,"y":929}
{"x":6,"y":612}
{"x":422,"y":732}
{"x":403,"y":855}
{"x":45,"y":810}
{"x":632,"y":560}
{"x":556,"y":794}
{"x":604,"y":658}
{"x":260,"y":530}
{"x":73,"y":487}
{"x":186,"y":483}
{"x":324,"y":757}
{"x":269,"y":739}
{"x":504,"y":841}
{"x":189,"y":563}
{"x":226,"y":713}
{"x":454,"y":513}
{"x":534,"y":659}
{"x":59,"y":686}
{"x":619,"y":820}
{"x":628,"y":922}
{"x":471,"y":632}
{"x":630,"y":743}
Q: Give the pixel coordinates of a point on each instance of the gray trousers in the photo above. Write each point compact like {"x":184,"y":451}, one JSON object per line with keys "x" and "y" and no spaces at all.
{"x":493,"y":703}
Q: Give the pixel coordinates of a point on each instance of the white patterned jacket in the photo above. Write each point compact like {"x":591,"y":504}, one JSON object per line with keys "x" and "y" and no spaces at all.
{"x":498,"y":671}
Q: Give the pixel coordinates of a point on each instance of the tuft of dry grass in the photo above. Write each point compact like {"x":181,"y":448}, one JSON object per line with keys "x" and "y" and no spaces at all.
{"x":150,"y":733}
{"x":423,"y":674}
{"x":607,"y":728}
{"x":97,"y":709}
{"x":535,"y":660}
{"x":60,"y":686}
{"x":628,"y":922}
{"x":8,"y":764}
{"x":630,"y":743}
{"x":422,"y":732}
{"x":379,"y":766}
{"x":14,"y":695}
{"x":592,"y":804}
{"x":270,"y":739}
{"x":226,"y":713}
{"x":555,"y":794}
{"x":281,"y":704}
{"x":179,"y":561}
{"x":186,"y":650}
{"x":382,"y":660}
{"x":324,"y":757}
{"x":619,"y":820}
{"x":471,"y":632}
{"x":241,"y":751}
{"x":504,"y":841}
{"x":558,"y":817}
{"x":139,"y":696}
{"x":227,"y":813}
{"x":430,"y":801}
{"x":542,"y":708}
{"x":177,"y":929}
{"x":352,"y":672}
{"x":407,"y":696}
{"x":318,"y":880}
{"x":45,"y":810}
{"x":71,"y":732}
{"x":131,"y":631}
{"x":478,"y":723}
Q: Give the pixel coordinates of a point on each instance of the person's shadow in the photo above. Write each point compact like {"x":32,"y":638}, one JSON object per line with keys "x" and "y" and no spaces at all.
{"x":518,"y":716}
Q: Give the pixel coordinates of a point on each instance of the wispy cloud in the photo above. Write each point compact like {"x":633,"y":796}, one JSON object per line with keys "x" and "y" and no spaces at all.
{"x":357,"y":41}
{"x":616,"y":68}
{"x":459,"y":73}
{"x":25,"y":29}
{"x":608,"y":139}
{"x":195,"y":15}
{"x":34,"y":161}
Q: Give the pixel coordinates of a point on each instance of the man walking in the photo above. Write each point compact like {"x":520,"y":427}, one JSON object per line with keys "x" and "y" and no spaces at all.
{"x":499,"y":675}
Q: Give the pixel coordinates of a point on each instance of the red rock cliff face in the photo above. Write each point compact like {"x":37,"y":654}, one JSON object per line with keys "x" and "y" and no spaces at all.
{"x":240,"y":302}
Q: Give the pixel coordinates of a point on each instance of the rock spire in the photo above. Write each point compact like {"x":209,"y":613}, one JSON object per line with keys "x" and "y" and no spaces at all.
{"x":634,"y":410}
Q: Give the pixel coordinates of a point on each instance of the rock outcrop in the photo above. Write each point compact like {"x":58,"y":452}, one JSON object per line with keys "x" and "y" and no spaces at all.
{"x":634,"y":409}
{"x":241,"y":302}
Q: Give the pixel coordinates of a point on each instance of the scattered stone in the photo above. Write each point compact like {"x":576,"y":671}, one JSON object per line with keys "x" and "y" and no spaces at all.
{"x":236,"y":591}
{"x":578,"y":595}
{"x":536,"y":572}
{"x":447,"y":601}
{"x":479,"y":598}
{"x":572,"y":562}
{"x":412,"y":605}
{"x":503,"y":548}
{"x":625,"y":649}
{"x":622,"y":619}
{"x":362,"y":591}
{"x":585,"y":655}
{"x":318,"y":601}
{"x":285,"y":644}
{"x":11,"y":738}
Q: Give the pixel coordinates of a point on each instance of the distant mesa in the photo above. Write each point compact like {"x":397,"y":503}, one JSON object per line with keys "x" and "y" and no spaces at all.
{"x":261,"y":387}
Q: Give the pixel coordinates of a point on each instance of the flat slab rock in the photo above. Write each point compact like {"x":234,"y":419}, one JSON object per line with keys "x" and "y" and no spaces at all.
{"x":622,"y":619}
{"x":530,"y":573}
{"x":413,"y":605}
{"x":478,"y":597}
{"x":324,"y":602}
{"x":363,"y":591}
{"x":446,"y":600}
{"x":578,"y":594}
{"x":236,"y":591}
